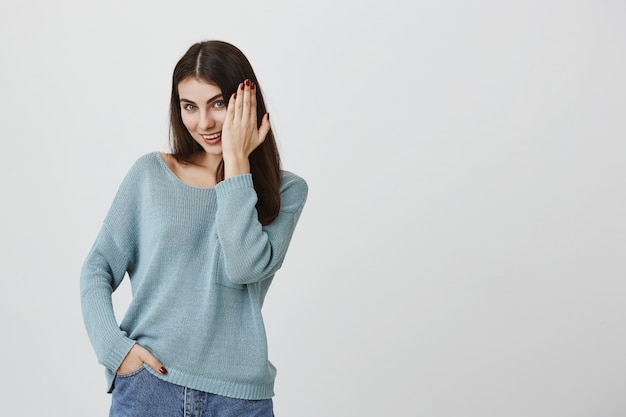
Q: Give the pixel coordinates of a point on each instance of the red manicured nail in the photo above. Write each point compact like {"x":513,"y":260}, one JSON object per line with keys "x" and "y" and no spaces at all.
{"x":163,"y":370}
{"x":235,"y":95}
{"x":241,"y":86}
{"x":247,"y":82}
{"x":268,"y":117}
{"x":252,"y":86}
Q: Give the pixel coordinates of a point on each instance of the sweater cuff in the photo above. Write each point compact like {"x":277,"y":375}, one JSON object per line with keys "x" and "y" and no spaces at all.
{"x":118,"y":353}
{"x":238,"y":182}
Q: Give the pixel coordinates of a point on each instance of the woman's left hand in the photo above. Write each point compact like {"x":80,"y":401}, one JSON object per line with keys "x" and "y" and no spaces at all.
{"x":240,"y":135}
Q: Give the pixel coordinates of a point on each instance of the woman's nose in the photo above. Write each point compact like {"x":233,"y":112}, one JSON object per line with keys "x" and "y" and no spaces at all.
{"x":206,"y":120}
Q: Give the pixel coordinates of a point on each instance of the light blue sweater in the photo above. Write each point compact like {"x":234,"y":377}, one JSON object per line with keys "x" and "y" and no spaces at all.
{"x":200,"y":264}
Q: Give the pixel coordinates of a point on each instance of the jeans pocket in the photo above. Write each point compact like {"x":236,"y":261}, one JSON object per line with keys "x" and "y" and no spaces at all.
{"x":132,"y":373}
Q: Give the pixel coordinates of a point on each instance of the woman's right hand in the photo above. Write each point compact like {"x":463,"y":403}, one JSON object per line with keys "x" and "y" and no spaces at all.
{"x":136,"y":357}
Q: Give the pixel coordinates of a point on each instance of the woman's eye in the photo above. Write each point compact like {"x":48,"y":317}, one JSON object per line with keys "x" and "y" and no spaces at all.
{"x":189,"y":107}
{"x":220,"y":104}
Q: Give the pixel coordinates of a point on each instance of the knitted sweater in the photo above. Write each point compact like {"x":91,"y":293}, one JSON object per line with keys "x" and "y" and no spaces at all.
{"x":199,"y":264}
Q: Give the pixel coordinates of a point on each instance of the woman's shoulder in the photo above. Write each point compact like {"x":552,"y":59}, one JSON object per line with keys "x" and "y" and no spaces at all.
{"x":294,"y":190}
{"x":148,"y":160}
{"x":144,"y":167}
{"x":148,"y":163}
{"x":291,"y":180}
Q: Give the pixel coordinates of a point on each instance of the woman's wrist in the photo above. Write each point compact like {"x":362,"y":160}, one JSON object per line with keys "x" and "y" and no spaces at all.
{"x":235,"y":165}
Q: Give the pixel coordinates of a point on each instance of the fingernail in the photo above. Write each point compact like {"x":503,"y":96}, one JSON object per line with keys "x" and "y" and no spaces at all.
{"x":241,"y":86}
{"x":252,"y":86}
{"x":268,"y":117}
{"x":163,"y":370}
{"x":247,"y":82}
{"x":235,"y":95}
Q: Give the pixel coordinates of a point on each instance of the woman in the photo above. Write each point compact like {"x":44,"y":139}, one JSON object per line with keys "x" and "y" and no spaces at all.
{"x":200,"y":233}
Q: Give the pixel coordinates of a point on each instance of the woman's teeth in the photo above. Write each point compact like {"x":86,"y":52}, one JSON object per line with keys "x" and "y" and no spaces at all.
{"x":211,"y":137}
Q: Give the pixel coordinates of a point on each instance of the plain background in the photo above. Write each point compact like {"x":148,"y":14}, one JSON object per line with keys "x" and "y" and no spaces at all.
{"x":463,"y":249}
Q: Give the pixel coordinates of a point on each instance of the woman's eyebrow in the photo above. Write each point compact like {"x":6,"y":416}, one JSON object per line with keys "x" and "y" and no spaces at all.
{"x":185,"y":100}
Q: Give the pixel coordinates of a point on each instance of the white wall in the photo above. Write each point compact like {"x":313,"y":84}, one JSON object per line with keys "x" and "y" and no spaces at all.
{"x":463,"y":249}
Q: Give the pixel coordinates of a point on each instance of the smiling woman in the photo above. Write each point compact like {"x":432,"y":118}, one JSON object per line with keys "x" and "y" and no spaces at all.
{"x":203,"y":112}
{"x":205,"y":80}
{"x":204,"y":121}
{"x":201,"y":233}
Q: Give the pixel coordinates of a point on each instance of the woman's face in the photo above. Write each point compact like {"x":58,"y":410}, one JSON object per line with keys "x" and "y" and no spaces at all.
{"x":203,"y":110}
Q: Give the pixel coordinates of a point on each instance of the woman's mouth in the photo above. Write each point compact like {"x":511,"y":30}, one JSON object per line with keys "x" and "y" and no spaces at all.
{"x":212,"y":139}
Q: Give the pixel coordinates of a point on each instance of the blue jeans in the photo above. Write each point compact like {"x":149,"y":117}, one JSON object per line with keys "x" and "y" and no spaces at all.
{"x":141,"y":394}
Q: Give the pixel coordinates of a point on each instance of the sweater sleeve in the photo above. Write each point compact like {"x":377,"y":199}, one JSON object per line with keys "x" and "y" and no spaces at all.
{"x":111,"y":257}
{"x":102,"y":272}
{"x":253,"y":252}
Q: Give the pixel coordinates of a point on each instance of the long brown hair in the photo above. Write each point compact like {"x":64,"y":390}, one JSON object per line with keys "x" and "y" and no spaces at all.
{"x":226,"y":66}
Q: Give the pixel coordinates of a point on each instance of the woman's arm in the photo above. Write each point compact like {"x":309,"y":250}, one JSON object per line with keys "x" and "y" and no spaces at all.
{"x":102,"y":272}
{"x":253,"y":252}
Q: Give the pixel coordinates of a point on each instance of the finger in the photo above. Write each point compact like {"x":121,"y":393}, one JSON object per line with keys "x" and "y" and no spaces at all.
{"x":253,"y":90}
{"x":245,"y":114}
{"x":152,"y":361}
{"x":230,"y":109}
{"x":265,"y":127}
{"x":239,"y":101}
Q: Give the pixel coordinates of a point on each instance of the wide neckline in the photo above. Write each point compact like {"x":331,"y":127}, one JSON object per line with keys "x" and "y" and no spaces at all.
{"x":175,"y":177}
